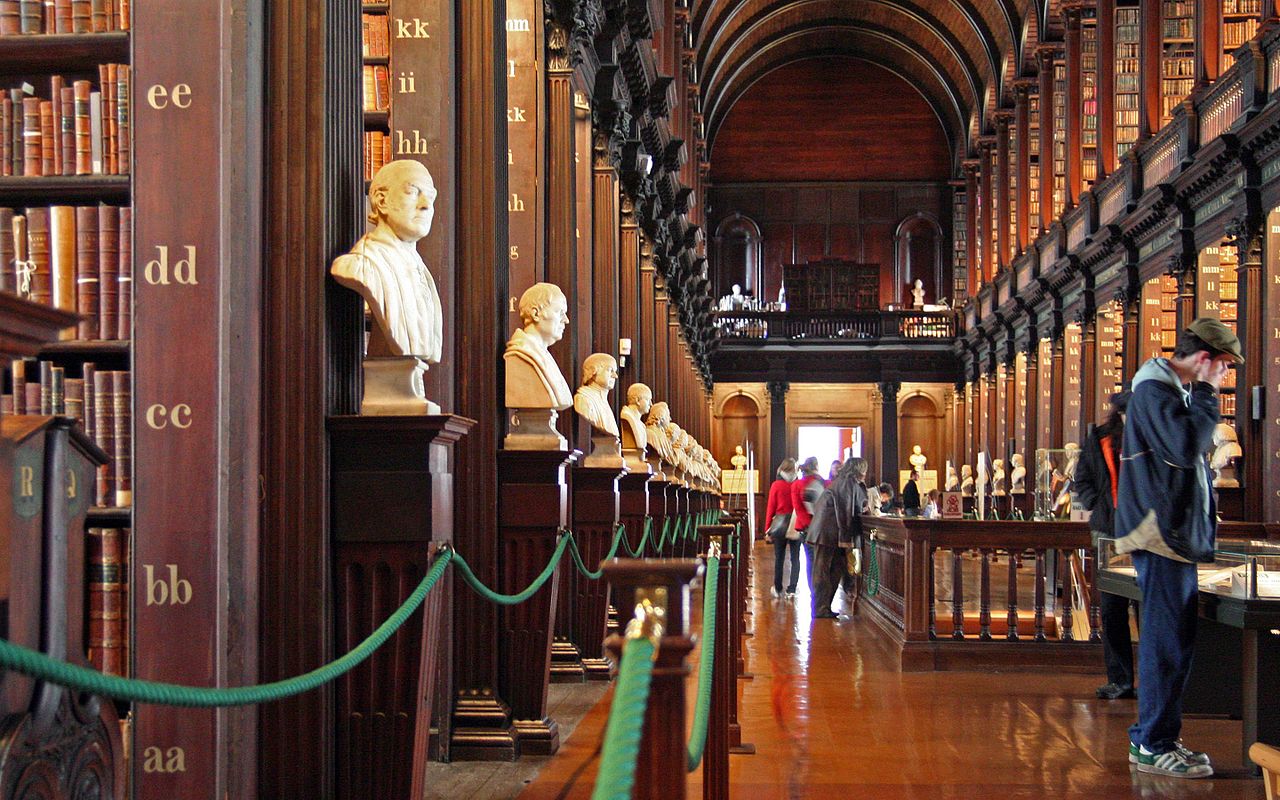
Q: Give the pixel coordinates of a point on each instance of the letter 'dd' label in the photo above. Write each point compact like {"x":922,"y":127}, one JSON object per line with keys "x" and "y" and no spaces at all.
{"x":159,"y":272}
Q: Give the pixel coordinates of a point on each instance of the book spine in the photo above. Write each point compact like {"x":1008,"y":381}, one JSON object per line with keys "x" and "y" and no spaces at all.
{"x":18,"y":372}
{"x":122,"y":421}
{"x":81,"y":16}
{"x":74,"y":389}
{"x":107,"y":589}
{"x":84,"y":152}
{"x":48,"y":144}
{"x":63,"y":246}
{"x":125,"y":275}
{"x":87,"y":370}
{"x":58,"y":390}
{"x":38,"y":253}
{"x":44,"y":397}
{"x":122,"y":118}
{"x":34,"y":394}
{"x":98,"y":16}
{"x":87,"y":264}
{"x":107,"y":316}
{"x":53,"y":139}
{"x":31,"y":16}
{"x":10,"y":18}
{"x":105,"y":430}
{"x":67,"y":131}
{"x":122,"y":15}
{"x":62,"y":15}
{"x":48,"y":15}
{"x":6,"y":138}
{"x":15,"y":130}
{"x":110,"y":127}
{"x":32,"y":165}
{"x":7,"y":254}
{"x":6,"y":405}
{"x":95,"y":131}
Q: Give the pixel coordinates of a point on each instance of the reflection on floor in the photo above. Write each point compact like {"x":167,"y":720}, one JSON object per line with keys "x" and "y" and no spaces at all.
{"x":832,"y":717}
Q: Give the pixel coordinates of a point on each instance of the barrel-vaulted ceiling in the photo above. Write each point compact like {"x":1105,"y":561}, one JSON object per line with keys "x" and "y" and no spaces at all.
{"x":962,"y":55}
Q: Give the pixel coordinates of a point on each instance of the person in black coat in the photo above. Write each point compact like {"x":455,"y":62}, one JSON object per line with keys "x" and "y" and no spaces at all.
{"x":1097,"y":484}
{"x":911,"y":496}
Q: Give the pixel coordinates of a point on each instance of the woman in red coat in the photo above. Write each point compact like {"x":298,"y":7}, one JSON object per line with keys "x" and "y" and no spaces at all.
{"x":777,"y":517}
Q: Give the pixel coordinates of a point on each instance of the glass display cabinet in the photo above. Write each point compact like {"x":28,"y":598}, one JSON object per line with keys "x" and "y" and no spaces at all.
{"x":1055,"y":471}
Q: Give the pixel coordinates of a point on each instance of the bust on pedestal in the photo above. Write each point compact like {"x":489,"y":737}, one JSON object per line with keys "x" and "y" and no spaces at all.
{"x":635,"y":439}
{"x":385,"y":269}
{"x":738,"y":459}
{"x":1226,"y":449}
{"x":966,"y":480}
{"x":536,"y":391}
{"x":1018,"y":475}
{"x":660,"y":450}
{"x":591,"y":401}
{"x":917,"y":294}
{"x":997,"y":478}
{"x":953,"y":481}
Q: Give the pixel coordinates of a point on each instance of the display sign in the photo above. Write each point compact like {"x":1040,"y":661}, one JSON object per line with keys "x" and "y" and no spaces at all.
{"x":952,"y":505}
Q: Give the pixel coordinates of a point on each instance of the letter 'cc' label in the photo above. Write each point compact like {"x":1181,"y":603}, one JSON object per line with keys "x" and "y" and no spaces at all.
{"x":160,"y":416}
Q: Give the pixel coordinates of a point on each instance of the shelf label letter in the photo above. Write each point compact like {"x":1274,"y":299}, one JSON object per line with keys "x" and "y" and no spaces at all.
{"x":157,"y":271}
{"x":174,"y":592}
{"x":159,"y":417}
{"x":159,"y":97}
{"x":171,"y":760}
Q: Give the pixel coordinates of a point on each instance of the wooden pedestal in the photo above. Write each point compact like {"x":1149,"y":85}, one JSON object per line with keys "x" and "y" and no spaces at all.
{"x":392,"y":508}
{"x":532,"y":508}
{"x":595,"y":517}
{"x":633,"y":505}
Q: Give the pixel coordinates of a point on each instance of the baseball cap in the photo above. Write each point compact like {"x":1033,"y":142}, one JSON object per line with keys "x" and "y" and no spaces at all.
{"x":1218,"y":336}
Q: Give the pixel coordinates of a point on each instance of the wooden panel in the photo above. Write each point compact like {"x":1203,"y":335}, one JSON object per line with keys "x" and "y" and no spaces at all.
{"x":778,"y":247}
{"x":828,"y":98}
{"x":844,"y":241}
{"x":811,"y":242}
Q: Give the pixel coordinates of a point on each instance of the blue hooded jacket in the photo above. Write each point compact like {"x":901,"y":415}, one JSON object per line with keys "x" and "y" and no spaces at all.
{"x":1164,"y":473}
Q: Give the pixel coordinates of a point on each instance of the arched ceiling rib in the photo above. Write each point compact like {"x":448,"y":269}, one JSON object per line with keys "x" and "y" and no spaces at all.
{"x":946,"y":99}
{"x":961,"y":54}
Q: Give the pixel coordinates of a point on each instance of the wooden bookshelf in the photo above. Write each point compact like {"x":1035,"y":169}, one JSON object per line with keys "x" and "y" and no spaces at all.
{"x":70,"y":52}
{"x":1128,"y":99}
{"x":1011,"y":167}
{"x":1177,"y":54}
{"x":1033,"y":158}
{"x":960,"y":242}
{"x":53,"y":189}
{"x":1217,"y":295}
{"x":1059,"y":155}
{"x":1240,"y":21}
{"x":1089,"y":97}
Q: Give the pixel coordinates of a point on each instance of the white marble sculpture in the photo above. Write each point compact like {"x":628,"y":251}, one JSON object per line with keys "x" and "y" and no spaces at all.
{"x":917,"y":459}
{"x":1226,"y":449}
{"x":660,"y":451}
{"x":1017,"y":475}
{"x":384,"y":268}
{"x":734,"y":301}
{"x":997,"y":478}
{"x":966,"y":480}
{"x":738,"y":459}
{"x":953,"y":481}
{"x":591,"y":401}
{"x":635,"y":438}
{"x":535,"y":389}
{"x":917,"y":294}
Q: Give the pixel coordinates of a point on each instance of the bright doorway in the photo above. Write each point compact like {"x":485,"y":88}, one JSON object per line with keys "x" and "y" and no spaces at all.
{"x":829,"y":443}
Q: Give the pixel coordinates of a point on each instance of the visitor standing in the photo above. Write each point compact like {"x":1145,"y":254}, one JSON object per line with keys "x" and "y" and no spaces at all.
{"x":804,"y":496}
{"x":1097,"y":484}
{"x":835,"y":529}
{"x":1167,"y":518}
{"x":778,"y":522}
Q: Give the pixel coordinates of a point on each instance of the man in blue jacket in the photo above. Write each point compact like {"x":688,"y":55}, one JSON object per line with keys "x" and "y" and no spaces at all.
{"x":1166,"y":517}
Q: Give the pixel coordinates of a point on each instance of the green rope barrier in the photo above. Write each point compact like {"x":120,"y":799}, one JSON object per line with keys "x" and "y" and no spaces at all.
{"x":42,"y":667}
{"x":617,"y":773}
{"x":706,"y":665}
{"x":873,"y":572}
{"x":463,"y":567}
{"x":662,"y":537}
{"x":619,"y":536}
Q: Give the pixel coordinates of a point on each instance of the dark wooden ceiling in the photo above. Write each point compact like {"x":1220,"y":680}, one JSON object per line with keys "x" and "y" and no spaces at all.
{"x":808,"y":121}
{"x":960,"y":55}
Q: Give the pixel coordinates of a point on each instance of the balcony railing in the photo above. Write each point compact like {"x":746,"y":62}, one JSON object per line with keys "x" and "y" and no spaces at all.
{"x":837,"y":326}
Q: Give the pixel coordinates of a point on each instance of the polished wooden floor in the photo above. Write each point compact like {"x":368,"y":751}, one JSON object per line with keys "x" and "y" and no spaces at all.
{"x":831,"y":716}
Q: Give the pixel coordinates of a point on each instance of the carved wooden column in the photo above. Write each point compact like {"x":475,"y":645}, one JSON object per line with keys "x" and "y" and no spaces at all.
{"x":1044,"y":61}
{"x":1106,"y":11}
{"x":987,"y":215}
{"x":481,"y":722}
{"x":992,"y":441}
{"x":1208,"y":41}
{"x":647,"y":343}
{"x":629,"y":294}
{"x":1088,"y":322}
{"x":1003,"y":208}
{"x":777,"y":425}
{"x":1075,"y":94}
{"x":1022,"y":121}
{"x":1057,"y":388}
{"x":1254,"y":331}
{"x":1130,"y":300}
{"x":1182,"y":266}
{"x":1033,"y":397}
{"x":958,"y":426}
{"x":970,"y":168}
{"x":605,"y":235}
{"x":1010,"y":403}
{"x":889,"y":430}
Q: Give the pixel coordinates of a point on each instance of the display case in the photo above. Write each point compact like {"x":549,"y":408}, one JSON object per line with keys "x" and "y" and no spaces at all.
{"x":1055,"y":471}
{"x":1249,"y":570}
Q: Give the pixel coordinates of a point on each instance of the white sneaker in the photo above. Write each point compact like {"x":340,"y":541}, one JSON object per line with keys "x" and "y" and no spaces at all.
{"x":773,"y":590}
{"x":1173,"y":763}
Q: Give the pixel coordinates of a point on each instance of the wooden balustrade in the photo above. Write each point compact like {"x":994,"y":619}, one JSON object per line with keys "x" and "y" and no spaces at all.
{"x":925,"y":564}
{"x":852,"y":326}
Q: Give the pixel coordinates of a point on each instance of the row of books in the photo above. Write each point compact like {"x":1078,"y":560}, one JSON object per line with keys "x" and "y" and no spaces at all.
{"x":76,"y":129}
{"x":375,"y":36}
{"x":1235,"y":34}
{"x":76,"y":258}
{"x":1178,"y":8}
{"x":377,"y":151}
{"x":1180,"y":66}
{"x":377,"y":89}
{"x":98,"y":399}
{"x":1176,"y":28}
{"x":1241,"y":6}
{"x":63,"y":16}
{"x":107,"y":595}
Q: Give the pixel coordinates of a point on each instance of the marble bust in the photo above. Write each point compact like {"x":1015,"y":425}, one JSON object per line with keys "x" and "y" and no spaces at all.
{"x":1017,"y":475}
{"x":966,"y":480}
{"x":952,"y":481}
{"x":385,"y":269}
{"x":917,"y":294}
{"x":591,"y":401}
{"x":679,"y":452}
{"x":1226,"y":449}
{"x":656,"y":433}
{"x":997,"y":477}
{"x":739,"y":459}
{"x":635,"y":438}
{"x":917,"y":459}
{"x":535,"y":389}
